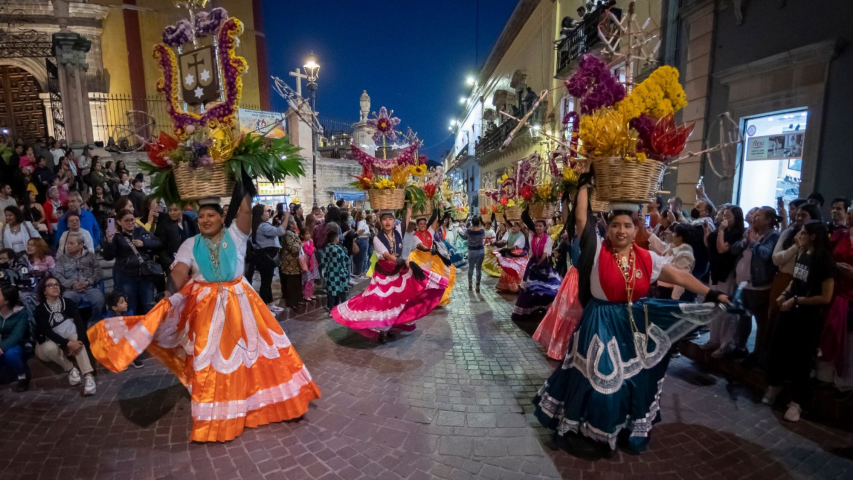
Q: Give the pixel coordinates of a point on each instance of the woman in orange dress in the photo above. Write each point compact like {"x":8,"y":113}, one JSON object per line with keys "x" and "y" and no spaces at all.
{"x":216,"y":335}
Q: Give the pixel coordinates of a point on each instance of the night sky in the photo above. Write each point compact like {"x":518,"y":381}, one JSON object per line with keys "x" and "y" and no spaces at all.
{"x":410,"y":56}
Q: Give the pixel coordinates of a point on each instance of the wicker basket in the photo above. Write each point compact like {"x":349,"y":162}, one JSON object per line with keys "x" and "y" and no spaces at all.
{"x":543,"y":210}
{"x":460,"y":214}
{"x":618,"y":180}
{"x":425,"y":212}
{"x":202,"y":182}
{"x":388,"y":199}
{"x":598,"y":205}
{"x":513,"y":214}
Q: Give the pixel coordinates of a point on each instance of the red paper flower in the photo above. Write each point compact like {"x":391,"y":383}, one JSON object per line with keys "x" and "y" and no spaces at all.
{"x":504,"y":201}
{"x":494,"y":209}
{"x":483,"y":210}
{"x":429,"y":190}
{"x":668,"y":139}
{"x":165,"y":143}
{"x":527,"y":192}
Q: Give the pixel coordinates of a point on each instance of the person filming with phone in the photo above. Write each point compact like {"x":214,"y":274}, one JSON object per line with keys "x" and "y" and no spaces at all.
{"x":134,"y":272}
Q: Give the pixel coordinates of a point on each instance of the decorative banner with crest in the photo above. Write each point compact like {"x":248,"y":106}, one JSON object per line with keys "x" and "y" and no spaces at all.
{"x":199,"y":76}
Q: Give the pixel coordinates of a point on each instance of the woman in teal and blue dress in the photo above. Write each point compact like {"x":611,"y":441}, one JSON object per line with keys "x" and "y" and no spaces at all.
{"x":611,"y":378}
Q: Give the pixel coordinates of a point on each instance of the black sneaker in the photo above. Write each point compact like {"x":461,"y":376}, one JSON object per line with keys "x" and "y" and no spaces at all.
{"x":138,"y":363}
{"x":23,"y":385}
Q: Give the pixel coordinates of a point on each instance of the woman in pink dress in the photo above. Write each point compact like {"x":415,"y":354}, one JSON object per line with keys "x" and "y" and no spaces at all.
{"x":399,"y":293}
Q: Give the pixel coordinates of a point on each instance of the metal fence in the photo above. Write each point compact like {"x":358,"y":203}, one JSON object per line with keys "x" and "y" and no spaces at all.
{"x":125,"y":121}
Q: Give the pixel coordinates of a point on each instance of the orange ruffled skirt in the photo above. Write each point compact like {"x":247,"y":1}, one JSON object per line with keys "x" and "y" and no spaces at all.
{"x":225,"y":346}
{"x":433,"y":263}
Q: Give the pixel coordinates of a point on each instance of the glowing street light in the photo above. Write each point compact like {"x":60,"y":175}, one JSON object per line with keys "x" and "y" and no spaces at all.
{"x":470,"y":80}
{"x":462,"y":99}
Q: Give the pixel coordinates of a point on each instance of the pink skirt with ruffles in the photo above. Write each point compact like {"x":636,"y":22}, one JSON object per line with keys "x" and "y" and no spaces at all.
{"x":391,"y":301}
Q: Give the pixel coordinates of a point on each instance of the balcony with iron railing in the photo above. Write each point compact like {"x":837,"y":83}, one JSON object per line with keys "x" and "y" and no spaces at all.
{"x":463,"y":152}
{"x":493,"y":139}
{"x":578,"y":41}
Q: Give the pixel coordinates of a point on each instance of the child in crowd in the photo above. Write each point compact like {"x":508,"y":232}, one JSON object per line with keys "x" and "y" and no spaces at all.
{"x":310,"y":272}
{"x":116,"y":303}
{"x":335,"y":270}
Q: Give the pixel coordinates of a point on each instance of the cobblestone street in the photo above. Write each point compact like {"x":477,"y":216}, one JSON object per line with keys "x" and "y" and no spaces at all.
{"x":451,"y":400}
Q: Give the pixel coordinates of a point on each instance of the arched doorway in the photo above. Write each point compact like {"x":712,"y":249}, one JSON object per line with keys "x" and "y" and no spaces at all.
{"x":21,"y":108}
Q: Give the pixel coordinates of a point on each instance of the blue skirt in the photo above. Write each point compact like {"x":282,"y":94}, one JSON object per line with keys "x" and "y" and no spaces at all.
{"x":456,"y":258}
{"x":603,"y":386}
{"x":539,"y":286}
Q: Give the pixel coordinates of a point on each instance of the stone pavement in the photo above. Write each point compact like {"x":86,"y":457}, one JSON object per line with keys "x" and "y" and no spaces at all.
{"x":451,"y":400}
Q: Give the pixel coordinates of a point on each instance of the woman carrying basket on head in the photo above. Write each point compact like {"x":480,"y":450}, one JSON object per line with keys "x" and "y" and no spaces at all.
{"x":612,"y":376}
{"x":216,"y":335}
{"x":399,"y":293}
{"x":511,"y":255}
{"x":430,"y":253}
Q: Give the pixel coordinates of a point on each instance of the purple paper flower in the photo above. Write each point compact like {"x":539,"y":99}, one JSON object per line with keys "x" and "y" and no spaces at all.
{"x":384,"y":126}
{"x":208,"y":22}
{"x":643,"y":125}
{"x":595,"y":85}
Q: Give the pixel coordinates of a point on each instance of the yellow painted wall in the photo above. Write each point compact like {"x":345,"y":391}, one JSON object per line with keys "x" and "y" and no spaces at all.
{"x":154,"y":16}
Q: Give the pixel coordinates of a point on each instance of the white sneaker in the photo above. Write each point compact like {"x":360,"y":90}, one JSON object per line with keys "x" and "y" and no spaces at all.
{"x":353,"y":281}
{"x":74,"y":377}
{"x":793,"y":413}
{"x":274,"y":308}
{"x":89,"y":387}
{"x":770,"y":395}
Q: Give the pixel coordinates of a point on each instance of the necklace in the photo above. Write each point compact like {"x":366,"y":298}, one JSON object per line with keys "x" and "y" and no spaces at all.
{"x":392,"y":242}
{"x":213,"y":248}
{"x":626,"y":267}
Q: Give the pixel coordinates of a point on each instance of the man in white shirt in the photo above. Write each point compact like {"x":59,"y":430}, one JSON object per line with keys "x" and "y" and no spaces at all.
{"x":6,"y":199}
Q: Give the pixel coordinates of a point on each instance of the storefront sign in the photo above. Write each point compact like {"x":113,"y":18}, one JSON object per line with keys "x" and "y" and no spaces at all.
{"x":266,"y":188}
{"x":775,"y":147}
{"x":259,"y":121}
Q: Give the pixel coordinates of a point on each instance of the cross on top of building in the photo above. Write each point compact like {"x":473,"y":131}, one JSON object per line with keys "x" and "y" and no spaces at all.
{"x":299,"y":76}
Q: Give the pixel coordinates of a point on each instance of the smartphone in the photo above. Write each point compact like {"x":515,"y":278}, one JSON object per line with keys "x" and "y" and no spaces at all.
{"x":648,"y":220}
{"x":111,"y":226}
{"x":780,"y":202}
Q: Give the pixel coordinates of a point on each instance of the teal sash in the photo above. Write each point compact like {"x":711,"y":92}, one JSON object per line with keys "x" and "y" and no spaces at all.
{"x":227,"y":258}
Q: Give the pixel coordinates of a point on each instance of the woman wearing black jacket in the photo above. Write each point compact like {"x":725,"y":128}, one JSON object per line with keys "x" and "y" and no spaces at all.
{"x":133,"y":248}
{"x":59,"y":330}
{"x":723,"y":261}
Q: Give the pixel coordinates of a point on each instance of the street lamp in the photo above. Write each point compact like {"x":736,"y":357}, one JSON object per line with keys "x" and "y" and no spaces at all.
{"x":312,"y":70}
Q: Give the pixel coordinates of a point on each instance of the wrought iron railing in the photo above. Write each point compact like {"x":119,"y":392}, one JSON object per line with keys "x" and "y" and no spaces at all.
{"x":494,"y":139}
{"x":579,"y":40}
{"x":463,"y":152}
{"x":124,"y":122}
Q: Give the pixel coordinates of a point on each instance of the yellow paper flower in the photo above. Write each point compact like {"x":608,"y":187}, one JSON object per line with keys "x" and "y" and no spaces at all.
{"x":400,"y":174}
{"x":418,"y":170}
{"x":511,"y":203}
{"x":570,"y":175}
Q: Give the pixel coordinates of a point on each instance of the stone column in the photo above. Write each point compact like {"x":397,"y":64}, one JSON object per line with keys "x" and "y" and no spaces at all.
{"x":301,"y":135}
{"x":71,"y":49}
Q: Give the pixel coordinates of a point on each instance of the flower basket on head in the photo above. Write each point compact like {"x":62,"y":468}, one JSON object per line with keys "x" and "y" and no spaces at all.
{"x":596,"y":204}
{"x":387,"y":199}
{"x":202,"y":182}
{"x":543,"y":210}
{"x":513,"y":214}
{"x":630,"y":182}
{"x":461,"y":213}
